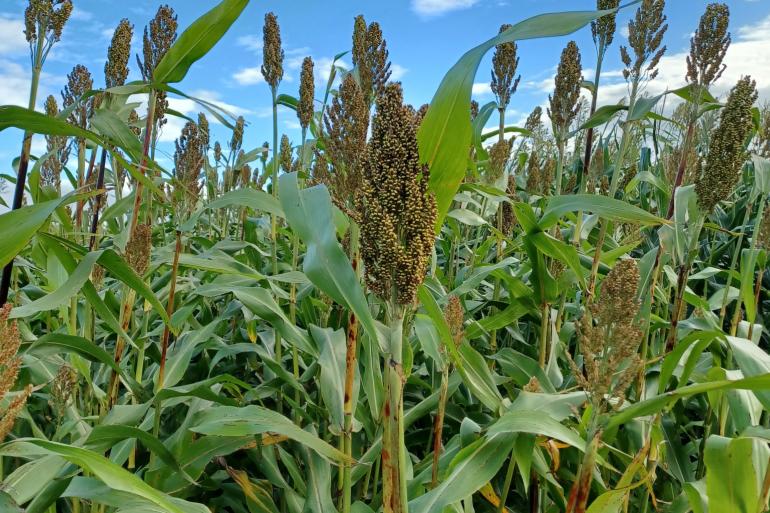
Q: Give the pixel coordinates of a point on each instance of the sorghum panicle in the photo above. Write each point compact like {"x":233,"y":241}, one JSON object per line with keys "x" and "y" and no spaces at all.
{"x":609,"y":336}
{"x":285,"y":154}
{"x":399,"y":213}
{"x":504,"y":64}
{"x":188,"y":163}
{"x":603,"y":29}
{"x":56,"y":145}
{"x":116,"y":67}
{"x":709,"y":46}
{"x":727,"y":152}
{"x":370,"y":57}
{"x":645,"y":35}
{"x":46,"y":18}
{"x":564,"y":101}
{"x":79,"y":82}
{"x":346,"y":123}
{"x":305,"y":105}
{"x":10,"y":363}
{"x":272,"y":53}
{"x":138,"y":249}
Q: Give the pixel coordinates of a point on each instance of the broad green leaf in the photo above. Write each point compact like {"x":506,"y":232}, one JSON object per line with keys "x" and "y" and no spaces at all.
{"x":603,"y":206}
{"x":197,"y":40}
{"x":333,"y":347}
{"x":249,"y":198}
{"x":471,"y":468}
{"x":19,"y":226}
{"x":731,"y":480}
{"x":309,"y":212}
{"x":536,"y":423}
{"x":445,"y":133}
{"x":262,"y":303}
{"x":255,"y":420}
{"x":113,"y":475}
{"x":478,"y":378}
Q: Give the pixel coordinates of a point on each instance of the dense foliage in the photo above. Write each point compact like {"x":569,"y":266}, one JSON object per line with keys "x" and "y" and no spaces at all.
{"x":402,"y":311}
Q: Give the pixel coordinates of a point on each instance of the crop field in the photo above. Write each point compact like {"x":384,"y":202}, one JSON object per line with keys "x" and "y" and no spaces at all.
{"x":429,"y":308}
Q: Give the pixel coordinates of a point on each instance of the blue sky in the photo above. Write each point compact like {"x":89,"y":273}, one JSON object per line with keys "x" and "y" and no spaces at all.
{"x":425,"y":38}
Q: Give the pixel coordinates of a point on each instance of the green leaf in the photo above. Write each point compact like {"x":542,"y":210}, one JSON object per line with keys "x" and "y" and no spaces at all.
{"x":731,"y":479}
{"x":471,"y":468}
{"x":659,"y":402}
{"x":332,"y":381}
{"x":606,"y":207}
{"x":250,"y":198}
{"x":263,"y":304}
{"x":445,"y":133}
{"x":478,"y":378}
{"x":19,"y":226}
{"x":602,"y":115}
{"x":113,"y":475}
{"x":197,"y":40}
{"x":255,"y":420}
{"x":536,"y":423}
{"x":309,"y":212}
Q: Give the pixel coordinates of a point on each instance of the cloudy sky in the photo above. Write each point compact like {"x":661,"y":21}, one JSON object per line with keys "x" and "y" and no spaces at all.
{"x":425,"y":38}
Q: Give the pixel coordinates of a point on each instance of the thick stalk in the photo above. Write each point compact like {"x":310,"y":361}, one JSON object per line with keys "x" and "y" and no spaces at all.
{"x":589,"y":138}
{"x":684,"y":273}
{"x":274,"y":227}
{"x":169,"y":308}
{"x":394,"y":498}
{"x":751,"y":264}
{"x":350,"y":369}
{"x":438,"y":424}
{"x":21,"y":176}
{"x":625,"y":140}
{"x":97,"y":200}
{"x":544,"y":321}
{"x":148,"y":129}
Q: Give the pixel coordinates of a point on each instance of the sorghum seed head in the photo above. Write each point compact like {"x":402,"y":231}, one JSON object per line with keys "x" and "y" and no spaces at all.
{"x":645,"y":35}
{"x":727,"y":152}
{"x":158,"y":38}
{"x":138,"y":249}
{"x":504,"y":63}
{"x":272,"y":53}
{"x":42,"y":15}
{"x":285,"y":157}
{"x":116,"y":67}
{"x":534,"y":122}
{"x":453,"y":314}
{"x":57,"y":147}
{"x":370,"y":57}
{"x":398,"y":212}
{"x":79,"y":82}
{"x":474,"y":109}
{"x":203,"y":129}
{"x":306,"y":93}
{"x":499,"y":154}
{"x":346,"y":123}
{"x":236,"y":141}
{"x":564,"y":101}
{"x":188,"y":162}
{"x":709,"y":46}
{"x":603,"y":29}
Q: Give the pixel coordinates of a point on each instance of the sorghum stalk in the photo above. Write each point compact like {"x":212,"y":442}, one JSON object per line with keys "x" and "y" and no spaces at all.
{"x":43,"y":27}
{"x":645,"y":36}
{"x":603,"y":31}
{"x":272,"y":71}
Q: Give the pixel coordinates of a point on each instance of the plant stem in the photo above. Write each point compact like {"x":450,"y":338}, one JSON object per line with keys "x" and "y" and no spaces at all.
{"x":394,"y":496}
{"x":21,"y":176}
{"x":169,"y":309}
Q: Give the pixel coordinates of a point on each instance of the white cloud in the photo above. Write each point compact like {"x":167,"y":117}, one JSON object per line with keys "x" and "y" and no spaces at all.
{"x":251,"y":43}
{"x":12,"y":41}
{"x":397,"y":72}
{"x":173,"y":127}
{"x":747,"y":55}
{"x":438,"y":7}
{"x":249,"y":76}
{"x":80,"y":14}
{"x":481,"y":89}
